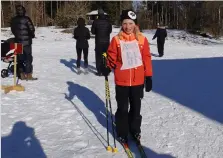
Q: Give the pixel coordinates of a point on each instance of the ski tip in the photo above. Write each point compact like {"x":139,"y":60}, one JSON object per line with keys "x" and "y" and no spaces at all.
{"x":109,"y":148}
{"x":115,"y":150}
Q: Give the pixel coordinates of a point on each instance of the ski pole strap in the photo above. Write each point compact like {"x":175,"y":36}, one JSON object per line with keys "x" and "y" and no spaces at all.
{"x":104,"y":54}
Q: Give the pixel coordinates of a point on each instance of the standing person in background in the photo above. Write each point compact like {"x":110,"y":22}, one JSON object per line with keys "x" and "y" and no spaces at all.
{"x":102,"y":28}
{"x":160,"y":34}
{"x":129,"y":55}
{"x":23,"y":30}
{"x":82,"y":35}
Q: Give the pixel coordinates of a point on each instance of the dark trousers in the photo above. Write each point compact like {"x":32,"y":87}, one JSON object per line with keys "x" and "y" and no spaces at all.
{"x":20,"y":66}
{"x":25,"y":60}
{"x":79,"y":52}
{"x":100,"y":49}
{"x":160,"y":46}
{"x":128,"y":120}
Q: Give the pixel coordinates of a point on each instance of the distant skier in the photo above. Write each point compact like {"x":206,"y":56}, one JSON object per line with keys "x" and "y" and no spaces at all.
{"x":82,"y":35}
{"x":129,"y":55}
{"x":160,"y":34}
{"x":23,"y":30}
{"x":102,"y":28}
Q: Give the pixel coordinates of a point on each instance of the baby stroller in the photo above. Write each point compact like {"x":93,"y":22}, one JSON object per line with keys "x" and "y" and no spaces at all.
{"x":7,"y":56}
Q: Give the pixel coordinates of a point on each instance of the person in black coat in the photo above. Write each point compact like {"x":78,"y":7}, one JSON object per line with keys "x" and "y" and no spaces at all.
{"x":160,"y":34}
{"x":23,"y":30}
{"x":82,"y":35}
{"x":102,"y":29}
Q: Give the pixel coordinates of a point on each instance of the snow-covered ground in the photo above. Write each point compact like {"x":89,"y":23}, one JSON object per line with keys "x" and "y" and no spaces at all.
{"x":182,"y":116}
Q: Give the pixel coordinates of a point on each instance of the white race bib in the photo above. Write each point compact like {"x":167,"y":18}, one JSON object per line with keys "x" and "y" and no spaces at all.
{"x":131,"y":56}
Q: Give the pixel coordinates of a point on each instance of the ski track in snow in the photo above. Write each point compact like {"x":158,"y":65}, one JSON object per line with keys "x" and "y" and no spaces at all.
{"x":66,"y":110}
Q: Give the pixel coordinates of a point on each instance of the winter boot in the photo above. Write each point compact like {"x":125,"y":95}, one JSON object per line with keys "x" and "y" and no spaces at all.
{"x":98,"y":74}
{"x":22,"y":76}
{"x":160,"y":55}
{"x":86,"y":71}
{"x":30,"y":77}
{"x":136,"y":136}
{"x":123,"y":140}
{"x":78,"y":71}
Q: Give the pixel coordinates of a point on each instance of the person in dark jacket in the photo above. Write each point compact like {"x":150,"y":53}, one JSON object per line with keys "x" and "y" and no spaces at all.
{"x":160,"y":34}
{"x":23,"y":30}
{"x":102,"y":28}
{"x":82,"y":35}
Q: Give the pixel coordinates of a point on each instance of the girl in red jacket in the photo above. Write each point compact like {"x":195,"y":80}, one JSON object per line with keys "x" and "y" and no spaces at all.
{"x":129,"y":55}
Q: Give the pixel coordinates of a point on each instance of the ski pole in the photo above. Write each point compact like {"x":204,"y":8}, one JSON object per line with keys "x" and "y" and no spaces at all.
{"x":108,"y":99}
{"x":106,"y":94}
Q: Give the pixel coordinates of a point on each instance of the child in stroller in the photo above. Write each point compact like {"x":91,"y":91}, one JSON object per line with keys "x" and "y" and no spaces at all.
{"x":7,"y":56}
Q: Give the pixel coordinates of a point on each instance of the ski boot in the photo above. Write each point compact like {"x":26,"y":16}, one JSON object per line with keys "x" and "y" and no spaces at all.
{"x":78,"y":71}
{"x":136,"y":136}
{"x":123,"y":140}
{"x":86,"y":71}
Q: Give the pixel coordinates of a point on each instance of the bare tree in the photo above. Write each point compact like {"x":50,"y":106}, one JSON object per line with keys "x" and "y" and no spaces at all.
{"x":220,"y":17}
{"x":152,"y":14}
{"x":12,"y":7}
{"x":177,"y":18}
{"x":71,"y":12}
{"x":57,"y":5}
{"x":2,"y":14}
{"x":51,"y":9}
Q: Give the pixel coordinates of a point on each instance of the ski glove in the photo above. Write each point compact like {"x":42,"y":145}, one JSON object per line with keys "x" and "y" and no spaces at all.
{"x":148,"y":83}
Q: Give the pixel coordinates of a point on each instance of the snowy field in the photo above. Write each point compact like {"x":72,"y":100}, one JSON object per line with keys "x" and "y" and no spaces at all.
{"x":62,"y":114}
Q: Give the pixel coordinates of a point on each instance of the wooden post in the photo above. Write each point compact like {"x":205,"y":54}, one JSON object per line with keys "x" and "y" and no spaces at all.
{"x":15,"y":63}
{"x":16,"y":87}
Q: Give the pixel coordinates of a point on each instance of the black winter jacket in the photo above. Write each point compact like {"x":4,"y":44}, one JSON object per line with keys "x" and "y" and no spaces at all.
{"x":81,"y":34}
{"x":160,"y":34}
{"x":101,"y":28}
{"x":23,"y":29}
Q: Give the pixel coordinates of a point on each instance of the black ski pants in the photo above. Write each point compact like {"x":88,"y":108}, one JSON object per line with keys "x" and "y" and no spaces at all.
{"x":79,"y":51}
{"x":100,"y":49}
{"x":26,"y":59}
{"x":128,"y":120}
{"x":160,"y":46}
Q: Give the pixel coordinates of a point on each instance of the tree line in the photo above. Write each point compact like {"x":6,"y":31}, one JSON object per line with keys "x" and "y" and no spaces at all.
{"x":202,"y":16}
